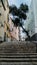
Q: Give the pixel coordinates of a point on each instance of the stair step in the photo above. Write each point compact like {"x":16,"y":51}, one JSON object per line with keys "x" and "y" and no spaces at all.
{"x":15,"y":54}
{"x":18,"y":59}
{"x":18,"y":63}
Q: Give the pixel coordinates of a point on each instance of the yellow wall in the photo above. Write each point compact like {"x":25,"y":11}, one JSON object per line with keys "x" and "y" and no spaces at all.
{"x":3,"y":17}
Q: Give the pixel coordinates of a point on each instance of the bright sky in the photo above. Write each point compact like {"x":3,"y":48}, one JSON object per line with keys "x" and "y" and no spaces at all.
{"x":18,"y":2}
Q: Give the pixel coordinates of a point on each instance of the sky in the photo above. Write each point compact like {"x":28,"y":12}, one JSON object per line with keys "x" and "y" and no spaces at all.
{"x":18,"y":2}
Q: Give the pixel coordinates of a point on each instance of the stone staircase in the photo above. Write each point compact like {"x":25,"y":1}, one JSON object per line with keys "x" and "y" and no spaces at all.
{"x":13,"y":53}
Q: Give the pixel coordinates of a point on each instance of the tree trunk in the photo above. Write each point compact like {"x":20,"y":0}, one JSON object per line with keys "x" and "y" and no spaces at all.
{"x":26,"y":32}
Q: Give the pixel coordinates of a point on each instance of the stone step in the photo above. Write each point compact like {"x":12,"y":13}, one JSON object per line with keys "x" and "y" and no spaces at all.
{"x":18,"y":54}
{"x":18,"y":59}
{"x":18,"y":63}
{"x":18,"y":47}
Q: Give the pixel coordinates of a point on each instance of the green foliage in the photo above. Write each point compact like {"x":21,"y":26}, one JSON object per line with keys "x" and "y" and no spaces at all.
{"x":24,"y":8}
{"x":20,"y":12}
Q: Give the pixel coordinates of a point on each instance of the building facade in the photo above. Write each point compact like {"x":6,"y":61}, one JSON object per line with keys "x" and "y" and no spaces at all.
{"x":14,"y":31}
{"x":32,"y":20}
{"x":3,"y":16}
{"x":5,"y":23}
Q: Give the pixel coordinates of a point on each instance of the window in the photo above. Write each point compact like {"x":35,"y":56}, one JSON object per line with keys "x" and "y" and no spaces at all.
{"x":0,"y":14}
{"x":12,"y":29}
{"x":15,"y":32}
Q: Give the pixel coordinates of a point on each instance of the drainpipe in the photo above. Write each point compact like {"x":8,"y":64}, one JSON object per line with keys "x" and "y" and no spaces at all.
{"x":3,"y":5}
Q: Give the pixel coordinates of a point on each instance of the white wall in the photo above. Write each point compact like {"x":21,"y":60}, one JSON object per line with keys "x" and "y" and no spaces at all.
{"x":32,"y":18}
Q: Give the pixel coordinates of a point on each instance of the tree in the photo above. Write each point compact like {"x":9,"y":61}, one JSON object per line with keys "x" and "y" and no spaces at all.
{"x":24,"y":8}
{"x":21,"y":14}
{"x":13,"y":10}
